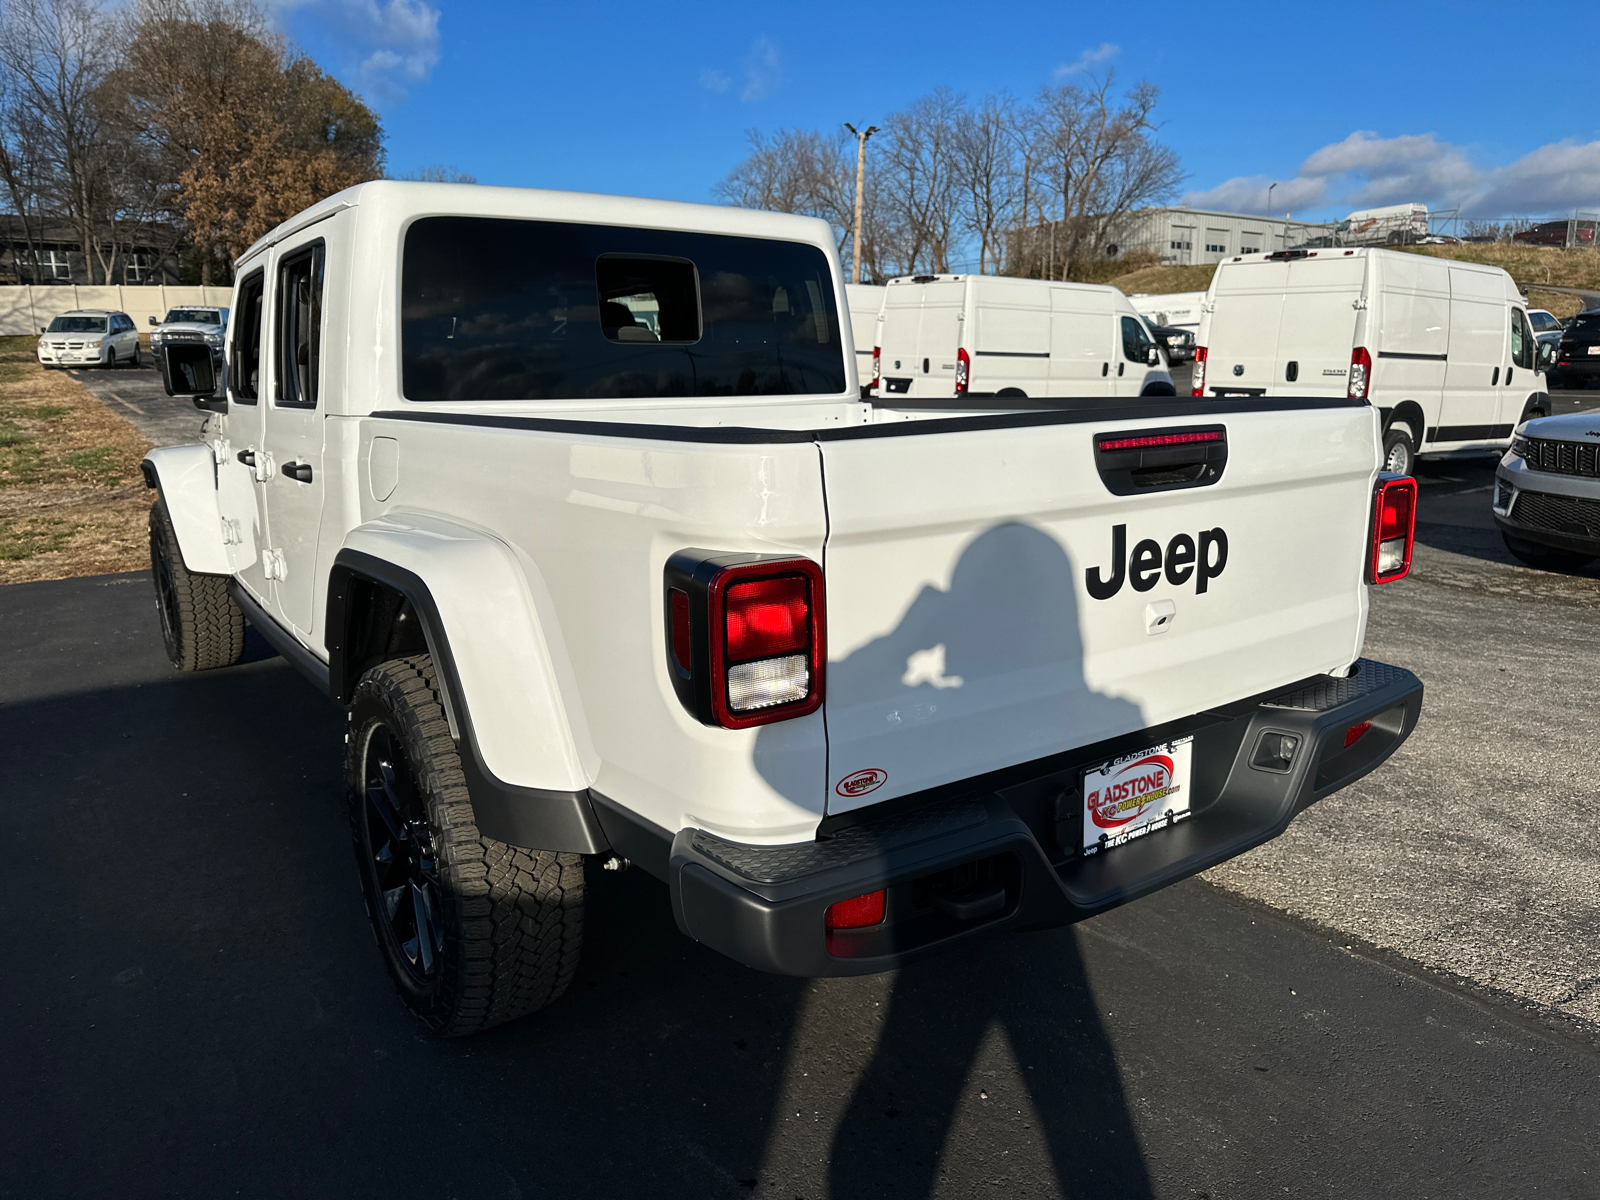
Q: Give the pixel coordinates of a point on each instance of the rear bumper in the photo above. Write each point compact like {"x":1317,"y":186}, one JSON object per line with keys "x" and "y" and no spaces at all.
{"x":998,"y":852}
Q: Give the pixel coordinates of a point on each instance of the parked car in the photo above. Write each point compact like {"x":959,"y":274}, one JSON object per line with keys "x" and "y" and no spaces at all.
{"x":1547,"y":492}
{"x":1556,"y":233}
{"x":1577,"y":357}
{"x":945,"y":336}
{"x":1177,"y":343}
{"x":87,"y":337}
{"x":205,"y":324}
{"x":1547,"y":329}
{"x":866,"y":309}
{"x":857,"y":684}
{"x":1442,"y":349}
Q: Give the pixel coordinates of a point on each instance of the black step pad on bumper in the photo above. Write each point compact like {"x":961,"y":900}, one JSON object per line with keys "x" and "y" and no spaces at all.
{"x":1003,"y":852}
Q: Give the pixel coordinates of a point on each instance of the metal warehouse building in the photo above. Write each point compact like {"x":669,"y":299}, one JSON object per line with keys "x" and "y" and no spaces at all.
{"x":1193,"y":235}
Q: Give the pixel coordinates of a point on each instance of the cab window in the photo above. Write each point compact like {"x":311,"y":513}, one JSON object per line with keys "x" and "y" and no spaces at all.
{"x":246,"y":352}
{"x":299,"y":328}
{"x":1521,"y":340}
{"x":1136,"y":342}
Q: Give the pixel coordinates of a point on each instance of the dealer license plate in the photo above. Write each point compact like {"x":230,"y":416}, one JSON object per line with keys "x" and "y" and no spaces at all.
{"x":1128,"y":797}
{"x":1594,"y":349}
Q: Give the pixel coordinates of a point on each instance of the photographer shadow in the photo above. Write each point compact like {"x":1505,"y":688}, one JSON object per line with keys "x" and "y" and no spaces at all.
{"x":988,"y":670}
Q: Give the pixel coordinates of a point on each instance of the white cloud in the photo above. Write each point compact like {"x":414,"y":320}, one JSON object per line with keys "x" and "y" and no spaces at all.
{"x":1089,"y":59}
{"x":1365,"y":171}
{"x":397,"y":41}
{"x":763,"y":70}
{"x":715,"y":81}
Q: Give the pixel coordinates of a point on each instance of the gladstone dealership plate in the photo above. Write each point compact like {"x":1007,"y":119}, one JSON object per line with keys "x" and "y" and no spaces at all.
{"x":1129,"y":796}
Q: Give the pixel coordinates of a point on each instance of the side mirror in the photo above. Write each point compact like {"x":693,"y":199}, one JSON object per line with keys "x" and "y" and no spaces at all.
{"x":44,"y":329}
{"x":153,"y":321}
{"x":1547,"y":352}
{"x":1152,"y":357}
{"x":187,"y":369}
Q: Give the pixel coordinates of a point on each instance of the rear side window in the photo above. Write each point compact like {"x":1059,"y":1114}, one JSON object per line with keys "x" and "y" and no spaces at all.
{"x":300,"y":328}
{"x":245,"y":358}
{"x":495,"y":309}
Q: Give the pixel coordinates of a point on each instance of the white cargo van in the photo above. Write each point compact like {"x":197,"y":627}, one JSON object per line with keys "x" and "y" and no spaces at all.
{"x":948,"y":335}
{"x":866,"y":308}
{"x":1442,"y":349}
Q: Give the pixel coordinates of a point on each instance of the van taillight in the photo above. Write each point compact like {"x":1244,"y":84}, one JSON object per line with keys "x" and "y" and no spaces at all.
{"x":1394,"y":527}
{"x":1360,"y":373}
{"x":745,"y":637}
{"x":1199,"y":379}
{"x":963,"y":371}
{"x":877,"y":365}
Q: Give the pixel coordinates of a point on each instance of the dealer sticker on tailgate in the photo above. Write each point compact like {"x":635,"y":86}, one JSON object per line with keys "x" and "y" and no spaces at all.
{"x":1129,"y":796}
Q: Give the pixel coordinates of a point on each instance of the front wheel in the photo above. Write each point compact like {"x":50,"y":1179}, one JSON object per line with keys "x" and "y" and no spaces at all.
{"x":473,"y":932}
{"x":1545,"y":558}
{"x":111,"y":360}
{"x":1399,"y":451}
{"x":200,"y":624}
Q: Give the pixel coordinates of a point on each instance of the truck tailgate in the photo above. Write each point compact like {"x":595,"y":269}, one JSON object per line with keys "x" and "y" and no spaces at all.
{"x":973,"y":621}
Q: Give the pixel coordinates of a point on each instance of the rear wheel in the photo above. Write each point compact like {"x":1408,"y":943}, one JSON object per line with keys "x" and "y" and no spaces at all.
{"x":1399,"y":451}
{"x":200,"y":624}
{"x":1545,"y":558}
{"x":473,"y":932}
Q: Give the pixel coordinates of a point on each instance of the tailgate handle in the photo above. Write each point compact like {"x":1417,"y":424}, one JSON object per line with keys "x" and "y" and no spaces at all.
{"x":1135,"y":461}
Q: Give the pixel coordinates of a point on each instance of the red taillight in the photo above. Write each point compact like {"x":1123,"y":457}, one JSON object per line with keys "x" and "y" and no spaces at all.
{"x":1199,"y":378}
{"x":855,"y":913}
{"x":1161,"y":439}
{"x":1394,"y":526}
{"x":1360,"y":381}
{"x":877,"y":365}
{"x":766,"y":642}
{"x":767,"y":617}
{"x":1353,"y":734}
{"x":681,"y":653}
{"x":963,"y":371}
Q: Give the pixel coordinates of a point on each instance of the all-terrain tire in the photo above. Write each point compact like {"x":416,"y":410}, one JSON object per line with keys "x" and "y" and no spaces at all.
{"x":494,"y":931}
{"x":200,"y":624}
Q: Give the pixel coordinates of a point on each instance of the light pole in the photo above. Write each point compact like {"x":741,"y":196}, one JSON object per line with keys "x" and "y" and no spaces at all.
{"x":1269,"y":200}
{"x":861,"y":175}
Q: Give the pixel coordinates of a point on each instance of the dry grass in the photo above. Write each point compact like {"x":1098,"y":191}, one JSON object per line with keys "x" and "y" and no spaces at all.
{"x":1528,"y":265}
{"x":72,"y":501}
{"x":1163,"y":281}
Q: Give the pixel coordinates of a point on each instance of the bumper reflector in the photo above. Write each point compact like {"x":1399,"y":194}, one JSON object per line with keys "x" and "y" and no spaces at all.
{"x":856,"y":913}
{"x":1353,"y":734}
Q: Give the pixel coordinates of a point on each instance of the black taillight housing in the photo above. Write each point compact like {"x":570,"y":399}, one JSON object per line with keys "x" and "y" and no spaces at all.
{"x":744,"y":636}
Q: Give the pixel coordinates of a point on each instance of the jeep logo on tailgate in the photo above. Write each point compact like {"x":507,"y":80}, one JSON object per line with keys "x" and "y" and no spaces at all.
{"x":1145,"y":566}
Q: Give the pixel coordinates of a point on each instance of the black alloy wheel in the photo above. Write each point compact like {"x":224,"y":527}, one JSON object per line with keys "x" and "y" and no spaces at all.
{"x":403,"y":860}
{"x":166,"y":593}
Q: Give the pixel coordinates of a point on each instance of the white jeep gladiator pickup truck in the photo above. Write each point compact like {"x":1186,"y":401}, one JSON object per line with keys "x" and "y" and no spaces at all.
{"x":572,"y":502}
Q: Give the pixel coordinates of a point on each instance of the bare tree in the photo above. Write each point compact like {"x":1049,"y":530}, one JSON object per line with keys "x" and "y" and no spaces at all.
{"x":438,"y":173}
{"x":56,"y":55}
{"x":923,"y":202}
{"x":983,"y":152}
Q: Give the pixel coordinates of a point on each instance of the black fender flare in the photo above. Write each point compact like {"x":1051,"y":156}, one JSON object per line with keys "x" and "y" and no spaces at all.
{"x":535,"y":818}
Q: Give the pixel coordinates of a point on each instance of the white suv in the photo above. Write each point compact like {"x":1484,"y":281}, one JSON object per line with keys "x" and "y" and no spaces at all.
{"x":89,"y":337}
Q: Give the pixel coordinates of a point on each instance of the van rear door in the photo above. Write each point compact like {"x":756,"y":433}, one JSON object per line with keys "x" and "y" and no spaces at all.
{"x":921,"y":333}
{"x":1242,"y":335}
{"x":1317,"y":326}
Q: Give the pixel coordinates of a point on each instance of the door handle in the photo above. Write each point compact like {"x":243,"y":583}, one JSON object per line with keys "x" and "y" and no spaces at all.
{"x":1120,"y":367}
{"x":298,"y":471}
{"x":1494,"y":382}
{"x":247,"y":457}
{"x":1105,"y":369}
{"x":1509,"y":370}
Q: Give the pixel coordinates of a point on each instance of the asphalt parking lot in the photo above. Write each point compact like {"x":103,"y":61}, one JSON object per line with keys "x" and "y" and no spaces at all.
{"x":137,"y":394}
{"x":194,"y":1004}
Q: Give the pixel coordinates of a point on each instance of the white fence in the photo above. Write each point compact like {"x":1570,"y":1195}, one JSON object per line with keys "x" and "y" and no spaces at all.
{"x":27,"y":309}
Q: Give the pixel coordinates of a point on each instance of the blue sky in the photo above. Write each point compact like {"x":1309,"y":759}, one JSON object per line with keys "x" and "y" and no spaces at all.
{"x":1347,"y":107}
